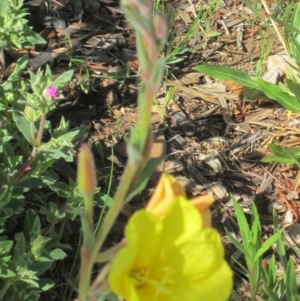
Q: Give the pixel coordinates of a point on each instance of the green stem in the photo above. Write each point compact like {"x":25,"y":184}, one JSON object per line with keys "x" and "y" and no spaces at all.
{"x":24,"y":166}
{"x":145,"y":112}
{"x":88,"y":258}
{"x":33,"y":152}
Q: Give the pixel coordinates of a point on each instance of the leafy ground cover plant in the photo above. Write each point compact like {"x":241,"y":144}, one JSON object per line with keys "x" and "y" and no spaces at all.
{"x":27,"y":164}
{"x":264,"y":279}
{"x":29,"y":150}
{"x":12,"y":23}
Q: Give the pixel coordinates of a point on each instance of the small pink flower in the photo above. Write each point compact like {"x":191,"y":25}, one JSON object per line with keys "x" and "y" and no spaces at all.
{"x":27,"y":169}
{"x":52,"y":92}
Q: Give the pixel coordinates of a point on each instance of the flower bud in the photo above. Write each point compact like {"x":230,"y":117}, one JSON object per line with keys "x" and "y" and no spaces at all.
{"x":51,"y":92}
{"x":86,"y":173}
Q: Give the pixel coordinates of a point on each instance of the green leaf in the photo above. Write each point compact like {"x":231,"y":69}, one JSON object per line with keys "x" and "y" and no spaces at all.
{"x":64,"y":153}
{"x":108,"y":297}
{"x":61,"y":188}
{"x":278,"y":94}
{"x":270,"y":273}
{"x":36,"y":229}
{"x":3,"y":181}
{"x":237,"y":244}
{"x":103,"y":200}
{"x":294,"y":87}
{"x":9,"y":155}
{"x":283,"y":154}
{"x":3,"y":45}
{"x":242,"y":222}
{"x":20,"y":250}
{"x":41,"y":265}
{"x":267,"y":244}
{"x":28,"y":129}
{"x":279,"y":245}
{"x":41,"y":164}
{"x":19,"y":67}
{"x":6,"y":196}
{"x":228,"y":73}
{"x":33,"y":38}
{"x":38,"y":245}
{"x":274,"y":92}
{"x":4,"y":7}
{"x":64,"y":78}
{"x":6,"y":273}
{"x":57,"y":254}
{"x":277,"y":159}
{"x":291,"y":283}
{"x":34,"y":182}
{"x":144,"y":177}
{"x":5,"y":247}
{"x":31,"y":281}
{"x":255,"y":229}
{"x":45,"y":284}
{"x":28,"y":224}
{"x":268,"y":291}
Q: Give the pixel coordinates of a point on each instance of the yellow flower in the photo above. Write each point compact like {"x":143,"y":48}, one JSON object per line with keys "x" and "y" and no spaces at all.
{"x":168,"y":189}
{"x":170,"y":255}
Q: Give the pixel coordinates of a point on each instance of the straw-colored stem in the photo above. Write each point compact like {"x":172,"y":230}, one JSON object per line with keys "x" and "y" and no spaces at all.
{"x":274,"y":24}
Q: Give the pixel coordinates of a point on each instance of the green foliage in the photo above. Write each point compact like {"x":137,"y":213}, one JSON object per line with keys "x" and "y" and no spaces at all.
{"x":283,"y":154}
{"x":30,"y":147}
{"x":291,"y":32}
{"x":280,"y":93}
{"x":276,"y":286}
{"x":178,"y":53}
{"x":14,"y":31}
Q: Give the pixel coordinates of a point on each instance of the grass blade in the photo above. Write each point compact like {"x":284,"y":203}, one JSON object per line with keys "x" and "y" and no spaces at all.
{"x":274,"y":92}
{"x":291,"y":284}
{"x":228,"y":73}
{"x":242,"y":222}
{"x":267,"y":244}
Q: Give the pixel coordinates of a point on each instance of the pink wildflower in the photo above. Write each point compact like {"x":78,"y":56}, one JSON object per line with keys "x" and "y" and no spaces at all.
{"x":52,"y":92}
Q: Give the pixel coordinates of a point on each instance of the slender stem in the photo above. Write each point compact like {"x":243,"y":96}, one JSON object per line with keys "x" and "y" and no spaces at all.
{"x":108,"y":254}
{"x":24,"y":166}
{"x":33,"y":152}
{"x":41,"y":130}
{"x":274,"y":24}
{"x":145,"y":111}
{"x":4,"y":289}
{"x":88,"y":258}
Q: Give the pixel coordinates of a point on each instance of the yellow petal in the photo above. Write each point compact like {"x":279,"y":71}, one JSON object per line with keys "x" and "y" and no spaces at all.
{"x":182,"y":222}
{"x":202,"y":202}
{"x":172,"y":252}
{"x":166,"y":191}
{"x":146,"y":234}
{"x":206,"y":218}
{"x":119,"y":277}
{"x":143,"y":237}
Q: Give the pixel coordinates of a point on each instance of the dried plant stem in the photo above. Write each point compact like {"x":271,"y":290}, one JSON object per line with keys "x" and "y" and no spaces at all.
{"x":4,"y":289}
{"x":274,"y":24}
{"x":41,"y":130}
